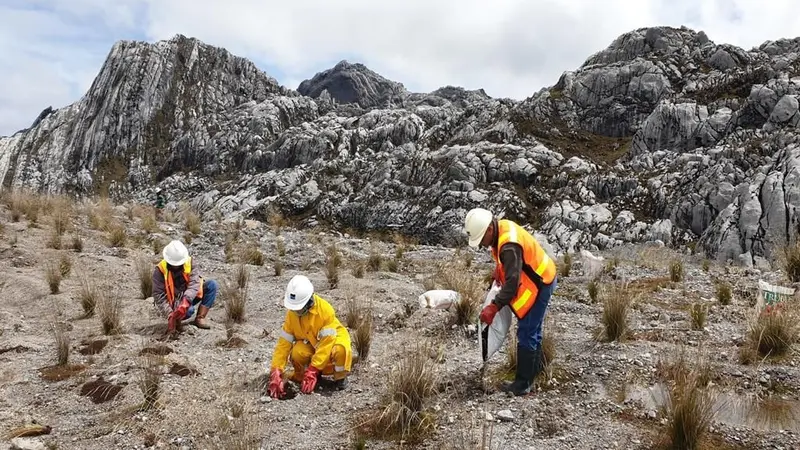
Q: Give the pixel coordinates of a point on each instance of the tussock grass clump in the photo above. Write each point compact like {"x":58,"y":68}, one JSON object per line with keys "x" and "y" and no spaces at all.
{"x":706,"y":265}
{"x":791,"y":261}
{"x":61,"y":342}
{"x":392,"y":265}
{"x":148,"y":222}
{"x":698,"y":313}
{"x":117,"y":235}
{"x":724,"y":295}
{"x":689,"y":406}
{"x":88,"y":296}
{"x":54,"y":241}
{"x":453,"y":276}
{"x":61,"y":217}
{"x":566,"y":267}
{"x":52,"y":273}
{"x":332,"y":262}
{"x":148,"y":380}
{"x":144,"y":270}
{"x":616,"y":309}
{"x":235,"y":300}
{"x":593,"y":288}
{"x":242,"y":275}
{"x":192,"y":222}
{"x":410,"y":385}
{"x":358,"y":269}
{"x":77,"y":243}
{"x":280,"y":247}
{"x":375,"y":260}
{"x":676,"y":271}
{"x":362,"y":338}
{"x":353,"y":311}
{"x":772,"y":334}
{"x":251,"y":254}
{"x":278,"y":268}
{"x":65,"y":265}
{"x":109,"y":308}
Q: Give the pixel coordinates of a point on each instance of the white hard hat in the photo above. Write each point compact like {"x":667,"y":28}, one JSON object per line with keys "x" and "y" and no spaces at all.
{"x":175,"y":253}
{"x":298,"y":291}
{"x":475,"y":224}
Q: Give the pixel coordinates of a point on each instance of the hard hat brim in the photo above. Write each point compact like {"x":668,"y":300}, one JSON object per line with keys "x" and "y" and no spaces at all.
{"x":176,"y":262}
{"x":476,"y":241}
{"x":294,"y":305}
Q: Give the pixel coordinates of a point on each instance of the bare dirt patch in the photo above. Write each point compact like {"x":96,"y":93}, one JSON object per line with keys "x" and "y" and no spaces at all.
{"x":92,"y":347}
{"x":100,"y":390}
{"x":61,"y":373}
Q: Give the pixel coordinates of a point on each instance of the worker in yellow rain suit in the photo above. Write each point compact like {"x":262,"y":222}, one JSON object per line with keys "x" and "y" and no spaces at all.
{"x":313,"y":338}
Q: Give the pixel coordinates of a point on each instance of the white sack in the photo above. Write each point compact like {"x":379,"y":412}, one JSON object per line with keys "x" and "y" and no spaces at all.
{"x":491,"y":338}
{"x":592,"y":265}
{"x":439,"y":299}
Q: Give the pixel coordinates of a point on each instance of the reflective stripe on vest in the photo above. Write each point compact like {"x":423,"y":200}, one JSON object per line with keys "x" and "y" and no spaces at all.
{"x":537,"y":266}
{"x":169,"y":285}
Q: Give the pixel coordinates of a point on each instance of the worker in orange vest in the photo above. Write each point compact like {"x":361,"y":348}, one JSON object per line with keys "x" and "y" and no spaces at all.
{"x":178,"y":288}
{"x":527,"y":275}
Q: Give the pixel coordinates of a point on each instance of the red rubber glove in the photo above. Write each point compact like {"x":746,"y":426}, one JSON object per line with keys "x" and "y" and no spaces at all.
{"x":180,"y":311}
{"x":309,"y":380}
{"x":487,"y":315}
{"x":277,"y":387}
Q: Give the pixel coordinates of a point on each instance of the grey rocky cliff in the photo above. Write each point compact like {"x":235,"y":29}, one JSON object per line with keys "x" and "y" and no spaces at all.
{"x":663,"y":136}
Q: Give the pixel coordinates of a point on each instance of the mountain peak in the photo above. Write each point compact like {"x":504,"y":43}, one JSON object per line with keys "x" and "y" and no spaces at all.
{"x":348,"y":82}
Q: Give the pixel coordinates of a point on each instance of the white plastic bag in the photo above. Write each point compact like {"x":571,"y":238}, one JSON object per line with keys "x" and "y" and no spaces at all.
{"x":491,"y":338}
{"x":592,"y":265}
{"x":439,"y":299}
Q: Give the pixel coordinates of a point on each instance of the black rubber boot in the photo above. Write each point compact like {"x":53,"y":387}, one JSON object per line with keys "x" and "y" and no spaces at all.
{"x":527,"y":363}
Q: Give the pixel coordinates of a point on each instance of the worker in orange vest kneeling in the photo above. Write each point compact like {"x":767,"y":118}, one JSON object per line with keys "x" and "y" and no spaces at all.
{"x":312,"y":338}
{"x":527,"y":275}
{"x":178,"y":288}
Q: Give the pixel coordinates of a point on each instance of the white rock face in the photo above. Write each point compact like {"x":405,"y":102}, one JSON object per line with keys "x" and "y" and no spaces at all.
{"x":664,"y":136}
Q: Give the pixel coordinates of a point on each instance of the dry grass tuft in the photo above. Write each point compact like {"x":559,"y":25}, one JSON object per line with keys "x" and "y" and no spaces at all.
{"x":88,"y":296}
{"x":52,"y":274}
{"x":149,"y":382}
{"x":61,"y":217}
{"x":724,"y":293}
{"x":791,"y":261}
{"x":109,"y":308}
{"x":144,"y":269}
{"x":117,"y":235}
{"x":251,"y":254}
{"x":453,"y":276}
{"x":375,"y":260}
{"x":235,"y":295}
{"x":278,"y":268}
{"x":54,"y":241}
{"x":771,"y":335}
{"x":62,"y":344}
{"x":192,"y":222}
{"x":616,"y":308}
{"x":65,"y":265}
{"x":566,"y":267}
{"x":362,"y":338}
{"x":689,"y":406}
{"x":404,"y":406}
{"x":148,"y":222}
{"x":332,"y":263}
{"x":358,"y":269}
{"x":676,"y":271}
{"x":77,"y":243}
{"x":593,"y":288}
{"x":698,"y":313}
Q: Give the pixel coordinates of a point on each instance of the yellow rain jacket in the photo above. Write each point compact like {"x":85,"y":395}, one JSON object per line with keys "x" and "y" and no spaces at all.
{"x":320,"y":328}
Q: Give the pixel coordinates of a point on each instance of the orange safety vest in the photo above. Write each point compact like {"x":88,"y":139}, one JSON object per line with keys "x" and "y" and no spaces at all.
{"x":537,"y":267}
{"x":169,"y":285}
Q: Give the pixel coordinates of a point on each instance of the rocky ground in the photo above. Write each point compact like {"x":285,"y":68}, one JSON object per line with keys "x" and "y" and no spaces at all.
{"x":598,"y":394}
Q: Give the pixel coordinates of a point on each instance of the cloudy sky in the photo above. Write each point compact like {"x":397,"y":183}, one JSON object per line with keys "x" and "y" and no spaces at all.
{"x":50,"y":50}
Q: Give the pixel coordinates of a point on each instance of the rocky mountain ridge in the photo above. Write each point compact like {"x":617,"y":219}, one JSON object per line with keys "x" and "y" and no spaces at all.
{"x":664,"y":135}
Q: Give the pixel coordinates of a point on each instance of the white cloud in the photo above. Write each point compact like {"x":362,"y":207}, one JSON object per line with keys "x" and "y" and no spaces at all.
{"x":511,"y":48}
